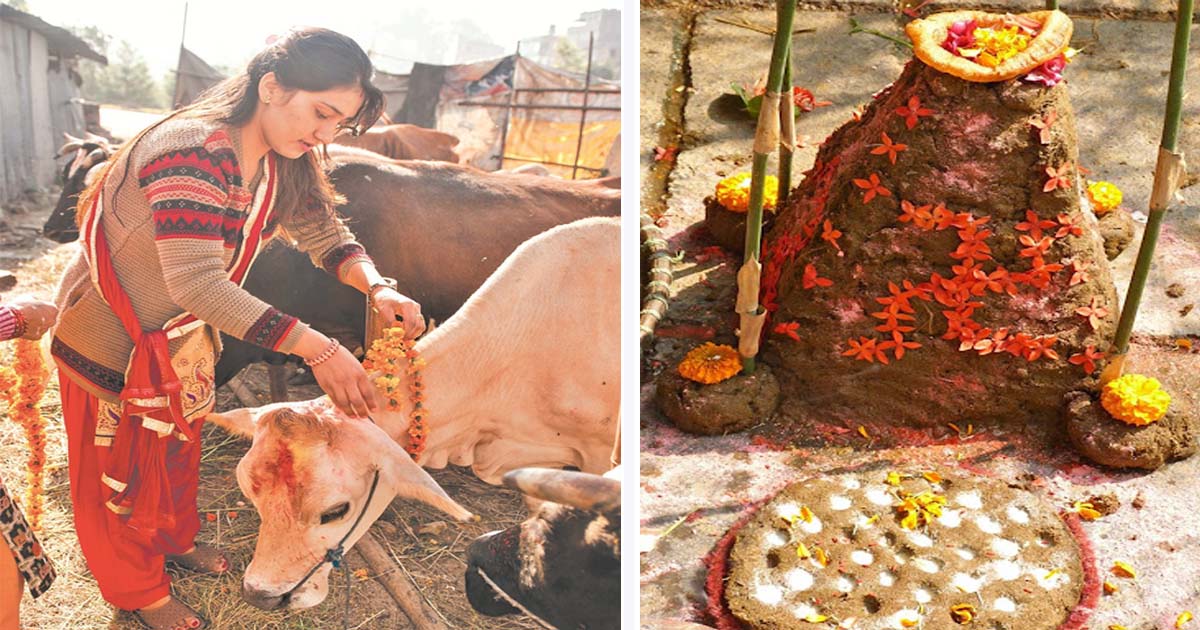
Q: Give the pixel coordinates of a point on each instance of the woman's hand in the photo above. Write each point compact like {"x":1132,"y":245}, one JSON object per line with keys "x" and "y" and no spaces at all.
{"x":393,"y":307}
{"x":343,"y":378}
{"x":39,"y":316}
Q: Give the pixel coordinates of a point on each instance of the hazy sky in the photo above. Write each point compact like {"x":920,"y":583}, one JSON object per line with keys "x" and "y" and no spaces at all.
{"x":229,"y":32}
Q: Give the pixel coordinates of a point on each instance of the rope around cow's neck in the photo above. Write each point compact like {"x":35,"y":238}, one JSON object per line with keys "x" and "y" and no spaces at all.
{"x":511,"y":601}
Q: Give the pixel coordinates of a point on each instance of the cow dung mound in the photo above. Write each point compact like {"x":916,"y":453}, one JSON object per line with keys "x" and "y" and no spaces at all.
{"x":938,"y":260}
{"x":1000,"y":552}
{"x":728,"y":228}
{"x":1110,"y":442}
{"x":726,"y":407}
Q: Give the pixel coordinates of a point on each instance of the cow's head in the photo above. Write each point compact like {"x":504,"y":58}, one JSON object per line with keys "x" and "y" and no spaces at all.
{"x":563,"y":564}
{"x":309,"y":474}
{"x":86,"y":155}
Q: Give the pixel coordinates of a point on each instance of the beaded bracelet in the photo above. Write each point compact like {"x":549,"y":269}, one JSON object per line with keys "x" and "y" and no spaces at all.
{"x":324,"y":356}
{"x":20,"y":324}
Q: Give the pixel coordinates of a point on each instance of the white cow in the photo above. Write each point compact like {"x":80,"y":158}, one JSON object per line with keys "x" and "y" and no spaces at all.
{"x":527,"y":373}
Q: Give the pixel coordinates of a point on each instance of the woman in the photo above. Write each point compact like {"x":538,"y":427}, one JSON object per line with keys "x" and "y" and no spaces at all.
{"x":169,"y":231}
{"x":26,"y":562}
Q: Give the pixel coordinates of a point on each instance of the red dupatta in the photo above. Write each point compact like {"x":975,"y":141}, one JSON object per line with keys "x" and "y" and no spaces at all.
{"x":151,"y":401}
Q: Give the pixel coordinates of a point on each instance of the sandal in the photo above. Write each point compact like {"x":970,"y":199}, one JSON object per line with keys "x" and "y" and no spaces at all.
{"x":203,"y":559}
{"x":173,"y":615}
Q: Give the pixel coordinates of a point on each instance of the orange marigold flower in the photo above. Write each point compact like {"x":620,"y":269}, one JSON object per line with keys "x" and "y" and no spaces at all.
{"x":1135,"y":399}
{"x":1104,"y":196}
{"x":733,"y":192}
{"x":710,"y":363}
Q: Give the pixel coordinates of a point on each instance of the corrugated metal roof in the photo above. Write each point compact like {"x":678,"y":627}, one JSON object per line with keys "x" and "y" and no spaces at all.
{"x":59,"y":39}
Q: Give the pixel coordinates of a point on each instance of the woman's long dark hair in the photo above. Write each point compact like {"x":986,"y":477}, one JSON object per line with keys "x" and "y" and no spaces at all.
{"x":309,"y":59}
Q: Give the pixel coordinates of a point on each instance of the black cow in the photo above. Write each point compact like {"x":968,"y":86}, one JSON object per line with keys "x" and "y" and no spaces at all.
{"x":563,"y":564}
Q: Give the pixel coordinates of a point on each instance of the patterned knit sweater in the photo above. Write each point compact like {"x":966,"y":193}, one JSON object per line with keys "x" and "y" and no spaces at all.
{"x":174,"y":209}
{"x":8,"y":323}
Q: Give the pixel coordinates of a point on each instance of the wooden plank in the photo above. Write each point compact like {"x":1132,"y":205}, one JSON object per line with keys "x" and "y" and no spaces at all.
{"x":8,"y":105}
{"x":42,"y":126}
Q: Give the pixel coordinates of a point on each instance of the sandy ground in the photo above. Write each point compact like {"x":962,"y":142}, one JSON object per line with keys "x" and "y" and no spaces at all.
{"x":693,"y":489}
{"x":434,"y":562}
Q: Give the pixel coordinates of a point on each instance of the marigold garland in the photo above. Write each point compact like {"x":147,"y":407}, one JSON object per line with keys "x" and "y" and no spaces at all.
{"x":710,"y":363}
{"x":393,"y":357}
{"x":22,"y":386}
{"x":733,"y":192}
{"x":1135,"y":399}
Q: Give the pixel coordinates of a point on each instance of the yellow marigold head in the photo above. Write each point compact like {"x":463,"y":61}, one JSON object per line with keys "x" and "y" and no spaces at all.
{"x":1105,"y":197}
{"x":997,"y":45}
{"x":710,"y":363}
{"x":733,"y":192}
{"x":1135,"y":399}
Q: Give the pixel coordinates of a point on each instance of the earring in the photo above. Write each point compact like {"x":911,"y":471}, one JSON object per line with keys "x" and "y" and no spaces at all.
{"x":267,"y":100}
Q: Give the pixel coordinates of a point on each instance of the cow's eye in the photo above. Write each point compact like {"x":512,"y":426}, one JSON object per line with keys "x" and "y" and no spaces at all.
{"x":333,"y":514}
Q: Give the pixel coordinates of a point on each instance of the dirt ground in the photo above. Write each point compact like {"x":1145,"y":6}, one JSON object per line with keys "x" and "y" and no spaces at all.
{"x":433,"y":562}
{"x":693,"y":489}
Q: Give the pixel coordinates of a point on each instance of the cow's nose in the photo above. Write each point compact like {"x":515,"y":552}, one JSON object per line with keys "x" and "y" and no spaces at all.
{"x":261,"y":599}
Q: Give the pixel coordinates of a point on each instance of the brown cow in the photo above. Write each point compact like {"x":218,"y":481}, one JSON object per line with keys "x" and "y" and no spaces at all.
{"x":405,"y":142}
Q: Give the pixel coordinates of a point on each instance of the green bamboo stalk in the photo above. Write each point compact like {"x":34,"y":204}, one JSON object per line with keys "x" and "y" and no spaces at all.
{"x":787,"y":142}
{"x":785,"y":11}
{"x":1170,"y":135}
{"x":1052,"y":5}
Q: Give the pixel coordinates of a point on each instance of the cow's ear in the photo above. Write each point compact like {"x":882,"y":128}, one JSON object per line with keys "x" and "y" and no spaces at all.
{"x":236,"y":421}
{"x":411,"y":481}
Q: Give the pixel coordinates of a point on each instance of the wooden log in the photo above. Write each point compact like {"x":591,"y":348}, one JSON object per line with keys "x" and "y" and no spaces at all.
{"x":403,"y":591}
{"x":242,"y":392}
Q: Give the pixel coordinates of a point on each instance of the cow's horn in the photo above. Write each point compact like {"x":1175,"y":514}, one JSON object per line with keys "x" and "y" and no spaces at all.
{"x":577,"y":489}
{"x":73,"y":144}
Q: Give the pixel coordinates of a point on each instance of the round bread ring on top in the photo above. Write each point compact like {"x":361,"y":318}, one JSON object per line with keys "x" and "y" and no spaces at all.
{"x":928,"y":34}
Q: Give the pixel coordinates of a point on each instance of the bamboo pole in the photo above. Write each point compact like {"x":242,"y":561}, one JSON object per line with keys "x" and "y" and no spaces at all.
{"x":787,"y":137}
{"x":766,"y":137}
{"x":1168,"y":172}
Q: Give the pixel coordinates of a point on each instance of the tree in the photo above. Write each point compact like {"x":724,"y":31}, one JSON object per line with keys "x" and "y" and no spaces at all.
{"x":126,"y":80}
{"x":568,"y":56}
